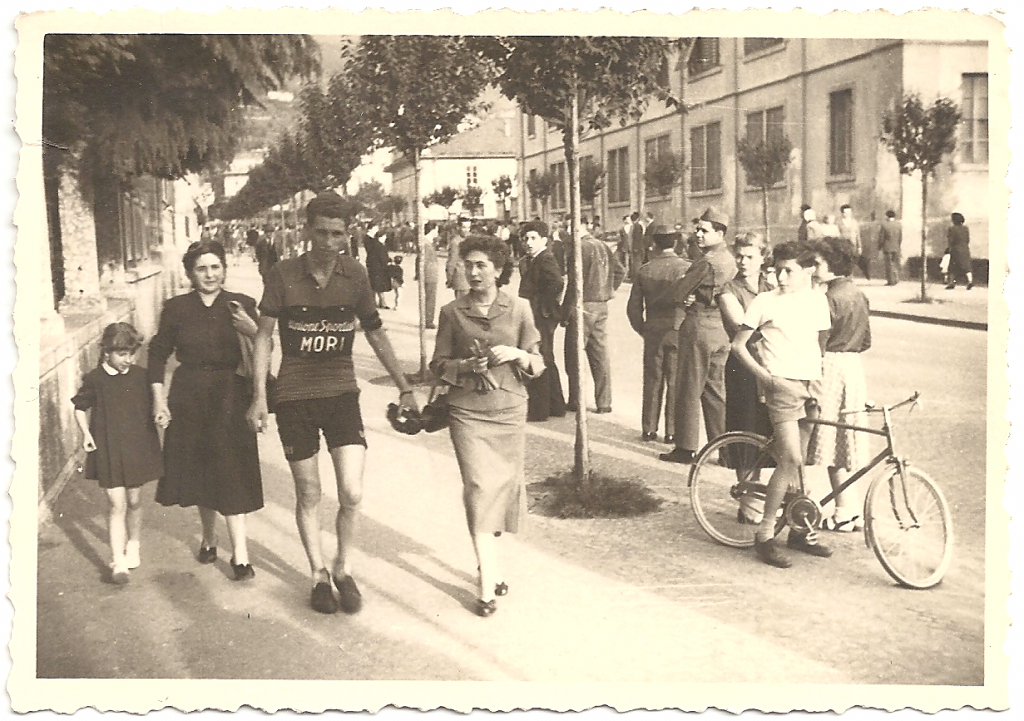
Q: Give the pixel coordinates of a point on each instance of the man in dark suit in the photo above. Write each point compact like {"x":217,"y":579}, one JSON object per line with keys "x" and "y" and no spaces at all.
{"x":638,"y":244}
{"x":541,"y":283}
{"x":890,"y":238}
{"x":623,"y":251}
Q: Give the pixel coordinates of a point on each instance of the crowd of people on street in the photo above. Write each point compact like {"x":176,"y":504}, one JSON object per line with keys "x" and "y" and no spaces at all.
{"x":737,"y":335}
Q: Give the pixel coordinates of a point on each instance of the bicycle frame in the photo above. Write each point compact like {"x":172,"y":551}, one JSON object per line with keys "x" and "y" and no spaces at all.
{"x":888,"y":452}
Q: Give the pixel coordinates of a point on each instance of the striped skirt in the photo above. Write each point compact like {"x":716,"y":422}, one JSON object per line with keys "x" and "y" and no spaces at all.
{"x":842,"y":388}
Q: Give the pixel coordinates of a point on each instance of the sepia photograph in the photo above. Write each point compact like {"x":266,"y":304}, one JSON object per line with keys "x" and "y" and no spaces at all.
{"x":510,"y":360}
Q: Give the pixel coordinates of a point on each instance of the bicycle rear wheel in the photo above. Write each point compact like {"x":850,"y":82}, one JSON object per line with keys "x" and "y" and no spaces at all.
{"x":909,"y":527}
{"x":727,"y":482}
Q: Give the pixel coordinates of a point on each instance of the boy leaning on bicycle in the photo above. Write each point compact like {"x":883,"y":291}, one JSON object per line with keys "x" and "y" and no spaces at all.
{"x":793,"y":321}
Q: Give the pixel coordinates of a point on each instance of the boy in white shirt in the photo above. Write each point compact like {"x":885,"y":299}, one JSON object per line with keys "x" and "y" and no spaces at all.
{"x":793,"y":321}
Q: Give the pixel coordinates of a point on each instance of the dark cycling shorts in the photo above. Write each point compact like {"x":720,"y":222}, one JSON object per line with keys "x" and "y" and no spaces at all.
{"x":299,"y":424}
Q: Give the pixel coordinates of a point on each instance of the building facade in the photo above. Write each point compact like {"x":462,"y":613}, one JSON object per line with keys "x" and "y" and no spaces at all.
{"x":828,"y":96}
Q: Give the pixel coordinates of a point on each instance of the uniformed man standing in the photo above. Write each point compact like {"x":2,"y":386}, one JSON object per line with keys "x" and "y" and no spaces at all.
{"x":703,"y":342}
{"x":653,"y":313}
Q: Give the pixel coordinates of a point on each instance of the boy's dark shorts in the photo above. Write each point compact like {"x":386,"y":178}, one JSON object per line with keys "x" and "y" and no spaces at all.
{"x":789,"y":400}
{"x":299,"y":424}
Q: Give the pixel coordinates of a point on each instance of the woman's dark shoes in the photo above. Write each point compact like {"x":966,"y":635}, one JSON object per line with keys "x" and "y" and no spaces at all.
{"x":501,"y":589}
{"x":670,"y":439}
{"x":322,"y":598}
{"x":348,"y":594}
{"x":486,"y":608}
{"x":243,"y":571}
{"x":207,"y":555}
{"x":677,"y":455}
{"x":649,"y":436}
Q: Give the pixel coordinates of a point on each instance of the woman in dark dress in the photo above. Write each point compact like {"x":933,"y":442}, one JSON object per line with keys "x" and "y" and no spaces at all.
{"x":210,"y":454}
{"x":958,"y":242}
{"x":744,"y":408}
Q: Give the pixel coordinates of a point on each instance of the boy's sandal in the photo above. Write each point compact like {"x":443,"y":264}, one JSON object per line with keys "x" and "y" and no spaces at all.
{"x":848,"y":525}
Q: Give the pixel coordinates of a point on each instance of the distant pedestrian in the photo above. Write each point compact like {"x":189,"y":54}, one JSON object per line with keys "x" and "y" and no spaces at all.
{"x":114,"y":409}
{"x":849,"y":228}
{"x":377,"y":261}
{"x":890,"y":238}
{"x":428,"y":262}
{"x":958,"y":245}
{"x":622,"y":252}
{"x":266,"y":255}
{"x":602,"y":275}
{"x":487,"y":350}
{"x":397,"y":276}
{"x":541,"y":283}
{"x":455,"y":273}
{"x":653,"y":313}
{"x":842,"y":391}
{"x":210,"y":454}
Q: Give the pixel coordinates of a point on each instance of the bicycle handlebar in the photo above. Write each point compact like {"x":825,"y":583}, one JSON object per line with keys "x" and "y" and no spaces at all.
{"x":912,"y":400}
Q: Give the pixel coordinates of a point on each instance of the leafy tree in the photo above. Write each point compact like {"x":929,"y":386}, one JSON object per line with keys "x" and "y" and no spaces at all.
{"x":579,"y":83}
{"x":591,"y":181}
{"x":391,"y":205}
{"x":765,"y":163}
{"x":920,"y":138}
{"x":471,"y":197}
{"x":663,"y":172}
{"x":160,"y":104}
{"x":445,"y":197}
{"x":541,"y":185}
{"x":502,"y":187}
{"x":414,"y":91}
{"x":370,"y":195}
{"x":332,"y":135}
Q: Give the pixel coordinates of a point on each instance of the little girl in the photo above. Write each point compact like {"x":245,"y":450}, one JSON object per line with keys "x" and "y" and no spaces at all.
{"x":114,"y":410}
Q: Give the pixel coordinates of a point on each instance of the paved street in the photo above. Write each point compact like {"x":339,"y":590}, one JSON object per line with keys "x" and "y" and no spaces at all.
{"x":647,"y":599}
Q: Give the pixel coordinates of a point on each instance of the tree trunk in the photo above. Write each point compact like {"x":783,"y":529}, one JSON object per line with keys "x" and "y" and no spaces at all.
{"x":764,"y":216}
{"x":924,"y":235}
{"x":421,"y":290}
{"x":581,"y":465}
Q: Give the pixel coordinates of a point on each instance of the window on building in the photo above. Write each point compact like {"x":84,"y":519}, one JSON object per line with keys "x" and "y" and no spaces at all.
{"x":706,"y":158}
{"x":752,"y":46}
{"x":618,"y":175}
{"x":974,"y":118}
{"x":655,"y":148}
{"x":704,"y":56}
{"x":840,"y":148}
{"x":768,"y":126}
{"x":471,"y":177}
{"x":533,"y":198}
{"x":558,"y":192}
{"x":531,"y":125}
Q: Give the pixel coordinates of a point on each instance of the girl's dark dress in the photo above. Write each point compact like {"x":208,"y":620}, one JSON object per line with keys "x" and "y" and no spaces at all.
{"x":127,"y":451}
{"x":210,"y":452}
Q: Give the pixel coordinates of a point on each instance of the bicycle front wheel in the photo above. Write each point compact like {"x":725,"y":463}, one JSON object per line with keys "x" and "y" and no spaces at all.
{"x":727,"y":482}
{"x":909,"y":527}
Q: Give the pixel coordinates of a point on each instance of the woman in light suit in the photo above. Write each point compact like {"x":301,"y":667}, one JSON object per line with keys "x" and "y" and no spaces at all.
{"x":487,"y":350}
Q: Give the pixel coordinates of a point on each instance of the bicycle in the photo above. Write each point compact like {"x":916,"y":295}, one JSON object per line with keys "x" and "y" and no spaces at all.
{"x":907,"y":522}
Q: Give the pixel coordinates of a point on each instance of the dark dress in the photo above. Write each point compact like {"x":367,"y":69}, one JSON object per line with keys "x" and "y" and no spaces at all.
{"x":958,"y":238}
{"x":127,"y":451}
{"x":210,"y":452}
{"x":377,"y":264}
{"x":744,"y":410}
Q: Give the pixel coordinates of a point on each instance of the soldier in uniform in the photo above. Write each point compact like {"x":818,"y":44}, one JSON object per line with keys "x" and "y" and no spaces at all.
{"x":703,"y":342}
{"x":653,"y":313}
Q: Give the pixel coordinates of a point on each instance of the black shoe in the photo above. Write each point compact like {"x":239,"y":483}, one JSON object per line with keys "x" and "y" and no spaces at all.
{"x":501,"y":589}
{"x":207,"y":555}
{"x":571,"y":407}
{"x":486,"y":608}
{"x":604,"y":410}
{"x":951,"y":286}
{"x":970,"y":285}
{"x":431,"y":326}
{"x":768,"y":551}
{"x":649,"y":436}
{"x":670,"y":439}
{"x":677,"y":455}
{"x":322,"y":599}
{"x":798,"y":542}
{"x":348,"y":594}
{"x":243,"y":571}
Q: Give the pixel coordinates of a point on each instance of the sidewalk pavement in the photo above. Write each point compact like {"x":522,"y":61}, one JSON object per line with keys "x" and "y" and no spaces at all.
{"x":560,"y":621}
{"x":959,"y":307}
